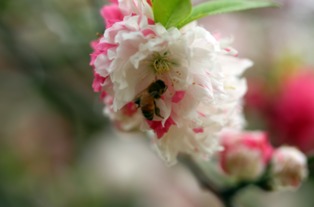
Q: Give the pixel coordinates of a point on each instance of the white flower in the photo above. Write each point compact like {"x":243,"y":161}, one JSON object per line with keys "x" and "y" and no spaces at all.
{"x":289,"y":168}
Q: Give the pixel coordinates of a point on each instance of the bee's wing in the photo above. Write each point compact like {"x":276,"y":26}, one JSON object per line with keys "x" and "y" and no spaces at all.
{"x":137,"y":99}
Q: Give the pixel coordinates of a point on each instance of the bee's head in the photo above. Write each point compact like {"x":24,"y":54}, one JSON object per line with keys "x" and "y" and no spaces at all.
{"x":157,"y":88}
{"x":162,"y":86}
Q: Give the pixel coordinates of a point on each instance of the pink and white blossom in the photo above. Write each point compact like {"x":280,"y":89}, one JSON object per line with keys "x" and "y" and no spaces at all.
{"x":203,"y":78}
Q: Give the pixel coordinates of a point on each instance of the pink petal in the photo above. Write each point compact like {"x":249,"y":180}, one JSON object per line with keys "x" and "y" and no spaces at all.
{"x":178,"y":96}
{"x":99,"y":48}
{"x":198,"y":130}
{"x":129,"y":109}
{"x":158,"y":128}
{"x":148,"y":32}
{"x":98,"y":81}
{"x":111,"y":14}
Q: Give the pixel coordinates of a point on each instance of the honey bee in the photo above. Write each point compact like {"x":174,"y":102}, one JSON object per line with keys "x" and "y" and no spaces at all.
{"x":146,"y":99}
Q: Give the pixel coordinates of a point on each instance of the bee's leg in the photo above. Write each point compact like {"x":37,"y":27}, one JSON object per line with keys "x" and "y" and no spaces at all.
{"x":137,"y":101}
{"x":157,"y":111}
{"x":149,"y":115}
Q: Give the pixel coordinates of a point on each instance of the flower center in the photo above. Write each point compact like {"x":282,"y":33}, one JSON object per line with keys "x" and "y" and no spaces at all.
{"x":161,"y":63}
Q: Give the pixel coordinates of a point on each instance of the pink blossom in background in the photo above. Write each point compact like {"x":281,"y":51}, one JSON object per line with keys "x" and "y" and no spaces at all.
{"x":290,"y":115}
{"x":256,"y":97}
{"x":245,"y":155}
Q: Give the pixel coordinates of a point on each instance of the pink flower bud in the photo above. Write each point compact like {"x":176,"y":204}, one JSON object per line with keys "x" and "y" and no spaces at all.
{"x":245,"y":154}
{"x":289,"y":168}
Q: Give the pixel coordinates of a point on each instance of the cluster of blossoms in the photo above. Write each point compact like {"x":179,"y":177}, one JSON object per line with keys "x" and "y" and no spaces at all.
{"x":202,"y":88}
{"x":247,"y":155}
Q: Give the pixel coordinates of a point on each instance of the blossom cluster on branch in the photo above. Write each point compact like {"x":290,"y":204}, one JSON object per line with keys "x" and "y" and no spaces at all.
{"x":159,"y":72}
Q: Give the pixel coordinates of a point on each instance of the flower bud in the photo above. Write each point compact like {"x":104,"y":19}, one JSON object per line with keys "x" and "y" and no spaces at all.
{"x":245,"y":154}
{"x":289,"y":168}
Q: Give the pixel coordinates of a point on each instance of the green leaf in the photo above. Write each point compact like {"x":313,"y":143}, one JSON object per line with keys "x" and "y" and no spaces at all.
{"x":223,"y":6}
{"x":171,"y":12}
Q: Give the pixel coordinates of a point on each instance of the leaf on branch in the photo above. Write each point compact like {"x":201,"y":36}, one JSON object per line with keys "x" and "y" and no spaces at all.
{"x":171,"y":12}
{"x":223,"y":6}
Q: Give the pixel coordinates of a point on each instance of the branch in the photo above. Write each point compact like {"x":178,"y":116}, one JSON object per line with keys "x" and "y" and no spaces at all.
{"x":200,"y":176}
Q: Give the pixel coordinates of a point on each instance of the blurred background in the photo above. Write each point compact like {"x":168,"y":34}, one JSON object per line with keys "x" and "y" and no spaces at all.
{"x":57,"y":149}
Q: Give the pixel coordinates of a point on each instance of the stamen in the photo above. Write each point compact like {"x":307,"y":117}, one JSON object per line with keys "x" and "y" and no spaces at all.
{"x":161,"y":63}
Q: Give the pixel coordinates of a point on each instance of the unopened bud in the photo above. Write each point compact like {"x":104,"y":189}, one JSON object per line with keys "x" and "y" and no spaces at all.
{"x":245,"y":154}
{"x":289,"y":168}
